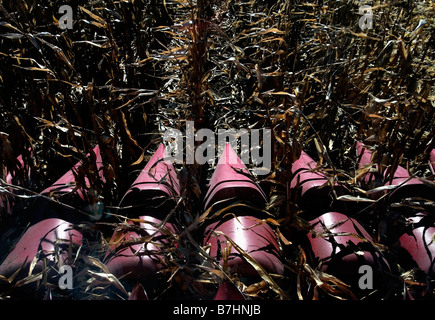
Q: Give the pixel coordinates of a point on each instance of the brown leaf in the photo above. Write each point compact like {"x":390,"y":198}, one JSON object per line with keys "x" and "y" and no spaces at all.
{"x":101,"y":21}
{"x":263,"y":273}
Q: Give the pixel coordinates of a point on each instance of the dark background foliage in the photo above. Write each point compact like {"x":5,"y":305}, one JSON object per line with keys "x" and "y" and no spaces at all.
{"x":128,"y":70}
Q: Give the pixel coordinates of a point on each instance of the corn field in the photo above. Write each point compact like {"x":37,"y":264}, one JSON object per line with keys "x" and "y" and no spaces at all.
{"x":124,"y":72}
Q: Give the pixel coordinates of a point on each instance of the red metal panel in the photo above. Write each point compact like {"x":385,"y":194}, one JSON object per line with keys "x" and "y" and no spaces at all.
{"x":340,"y":246}
{"x":138,"y":293}
{"x":20,"y":166}
{"x":310,"y":183}
{"x":138,"y":260}
{"x":228,"y":291}
{"x":400,"y":176}
{"x":409,"y":187}
{"x":156,"y":184}
{"x":432,"y":161}
{"x":325,"y":248}
{"x":230,"y":179}
{"x":46,"y":236}
{"x":67,"y":183}
{"x":250,"y":234}
{"x":304,"y":174}
{"x":420,"y":243}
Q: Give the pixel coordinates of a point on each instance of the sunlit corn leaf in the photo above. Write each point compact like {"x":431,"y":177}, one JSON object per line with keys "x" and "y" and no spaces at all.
{"x":256,"y":288}
{"x":355,"y":199}
{"x":104,"y":278}
{"x":100,"y":21}
{"x":59,"y":52}
{"x":29,"y":279}
{"x":12,"y":36}
{"x":34,"y":69}
{"x":382,"y":188}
